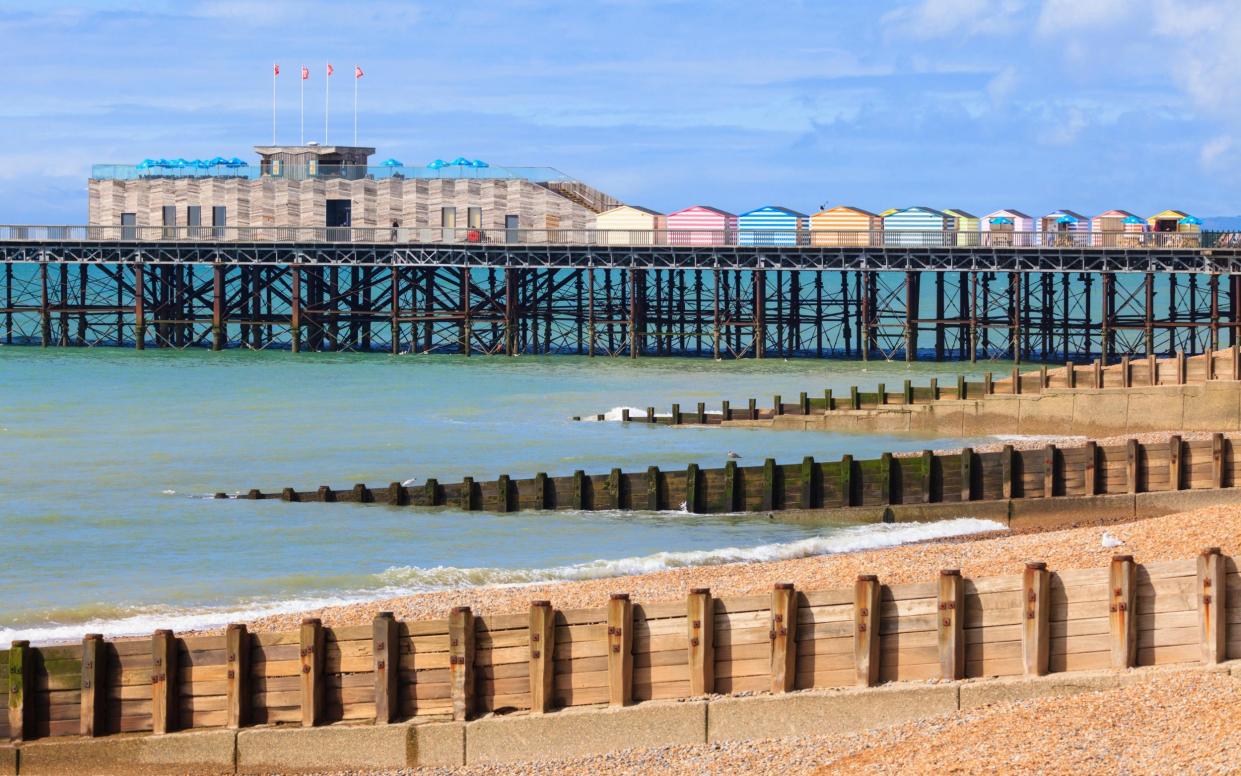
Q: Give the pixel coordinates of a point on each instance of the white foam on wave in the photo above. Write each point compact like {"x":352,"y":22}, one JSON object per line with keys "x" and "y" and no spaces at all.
{"x":616,"y":414}
{"x":406,"y":580}
{"x":1034,"y":437}
{"x":843,"y":540}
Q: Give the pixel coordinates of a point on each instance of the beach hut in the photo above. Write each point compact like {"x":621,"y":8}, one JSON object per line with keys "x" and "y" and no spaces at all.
{"x":701,"y":225}
{"x":770,"y":225}
{"x":967,"y":227}
{"x":845,"y":226}
{"x":630,"y":225}
{"x":1064,"y":227}
{"x":1175,"y":228}
{"x":1007,"y":228}
{"x":1113,"y":228}
{"x":918,"y":225}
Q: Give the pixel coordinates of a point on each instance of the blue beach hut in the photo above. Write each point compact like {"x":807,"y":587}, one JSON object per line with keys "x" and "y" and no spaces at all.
{"x":919,"y":225}
{"x":770,"y":225}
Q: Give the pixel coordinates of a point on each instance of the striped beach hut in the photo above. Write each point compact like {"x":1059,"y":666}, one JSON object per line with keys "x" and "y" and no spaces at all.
{"x":701,"y":225}
{"x":845,"y":226}
{"x":770,"y":225}
{"x":1007,"y":228}
{"x":918,"y":225}
{"x":967,"y":227}
{"x":1113,"y":228}
{"x":1187,"y":227}
{"x":630,"y":225}
{"x":1064,"y":227}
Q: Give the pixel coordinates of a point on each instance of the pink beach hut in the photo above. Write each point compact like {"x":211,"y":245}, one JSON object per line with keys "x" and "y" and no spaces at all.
{"x":1008,"y":228}
{"x":702,"y":225}
{"x":1064,"y":227}
{"x":1117,"y":228}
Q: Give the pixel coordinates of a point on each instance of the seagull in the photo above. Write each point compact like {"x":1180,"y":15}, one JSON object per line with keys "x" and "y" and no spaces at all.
{"x":408,"y":482}
{"x":733,"y":455}
{"x":1110,"y":541}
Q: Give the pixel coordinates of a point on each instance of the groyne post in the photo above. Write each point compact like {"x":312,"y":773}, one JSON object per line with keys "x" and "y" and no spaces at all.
{"x":163,"y":682}
{"x":1176,"y":449}
{"x":653,"y":502}
{"x":783,"y":636}
{"x":1122,"y":624}
{"x":730,"y":486}
{"x":237,"y":678}
{"x":1090,"y":477}
{"x":94,"y":676}
{"x":386,"y":657}
{"x":1212,"y":592}
{"x":866,"y":629}
{"x":951,"y":624}
{"x":1036,"y":607}
{"x":1049,"y":471}
{"x":542,"y":647}
{"x":700,"y":616}
{"x":620,"y":650}
{"x":21,"y":682}
{"x":967,"y":474}
{"x":461,"y":661}
{"x":310,"y":655}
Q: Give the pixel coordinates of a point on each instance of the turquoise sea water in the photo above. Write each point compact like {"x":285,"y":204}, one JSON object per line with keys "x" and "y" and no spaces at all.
{"x":106,"y":457}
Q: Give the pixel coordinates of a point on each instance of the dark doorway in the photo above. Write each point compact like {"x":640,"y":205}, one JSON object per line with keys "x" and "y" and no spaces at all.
{"x":339,"y":218}
{"x":510,"y":229}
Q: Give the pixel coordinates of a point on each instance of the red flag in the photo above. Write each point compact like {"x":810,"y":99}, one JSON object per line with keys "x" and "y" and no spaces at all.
{"x":357,"y":72}
{"x":329,"y":68}
{"x":275,"y":70}
{"x":305,"y":72}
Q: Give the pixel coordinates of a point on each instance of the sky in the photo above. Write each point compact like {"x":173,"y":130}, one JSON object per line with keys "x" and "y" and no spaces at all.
{"x":973,"y":104}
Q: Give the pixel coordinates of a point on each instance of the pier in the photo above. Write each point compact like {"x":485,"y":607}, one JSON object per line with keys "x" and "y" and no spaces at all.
{"x":595,"y":293}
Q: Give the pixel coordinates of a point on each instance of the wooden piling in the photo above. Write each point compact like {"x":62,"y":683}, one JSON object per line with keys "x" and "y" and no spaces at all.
{"x":726,"y":411}
{"x":700,"y":618}
{"x":1122,"y":624}
{"x":1217,"y":460}
{"x":1176,"y":449}
{"x":1049,"y":471}
{"x":846,"y":480}
{"x":951,"y":624}
{"x":731,"y":490}
{"x":579,"y":490}
{"x":783,"y":637}
{"x":967,"y":474}
{"x":803,"y":403}
{"x":504,"y":494}
{"x":1131,"y":465}
{"x":386,"y":662}
{"x":1090,"y":474}
{"x":432,"y":488}
{"x":927,"y":476}
{"x":21,"y":684}
{"x":461,"y":662}
{"x":1006,"y":472}
{"x":615,"y":484}
{"x":94,"y":698}
{"x":885,"y":478}
{"x":310,"y":654}
{"x":653,"y":502}
{"x":467,"y":494}
{"x":752,"y":409}
{"x":769,"y":484}
{"x":691,"y":488}
{"x":542,"y":646}
{"x":809,"y":483}
{"x":1212,"y":600}
{"x":163,"y":682}
{"x":540,"y":491}
{"x":675,"y":417}
{"x":1036,"y":606}
{"x":396,"y":494}
{"x":866,"y":629}
{"x":620,"y":650}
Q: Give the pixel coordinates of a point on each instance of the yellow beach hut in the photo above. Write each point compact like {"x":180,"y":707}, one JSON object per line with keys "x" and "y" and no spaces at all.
{"x":1175,"y":228}
{"x":967,"y":226}
{"x":630,"y":225}
{"x":846,"y":226}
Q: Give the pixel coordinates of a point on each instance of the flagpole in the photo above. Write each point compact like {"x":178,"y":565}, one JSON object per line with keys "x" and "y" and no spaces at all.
{"x":274,"y":72}
{"x":301,"y":78}
{"x":355,"y":105}
{"x":327,"y":99}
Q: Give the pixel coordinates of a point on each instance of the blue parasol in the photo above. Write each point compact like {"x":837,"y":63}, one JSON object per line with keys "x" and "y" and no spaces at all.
{"x":438,"y":164}
{"x":479,"y":163}
{"x":460,"y":161}
{"x":1066,"y":219}
{"x":235,"y":162}
{"x":1190,"y":221}
{"x":1001,"y":220}
{"x":392,"y":163}
{"x":1132,"y":220}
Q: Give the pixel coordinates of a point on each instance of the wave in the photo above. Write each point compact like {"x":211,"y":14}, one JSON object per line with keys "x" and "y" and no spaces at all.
{"x":843,"y":540}
{"x":114,"y":621}
{"x":616,"y":414}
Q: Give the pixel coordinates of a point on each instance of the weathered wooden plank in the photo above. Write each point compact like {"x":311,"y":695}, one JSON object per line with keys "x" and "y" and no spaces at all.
{"x":541,"y":640}
{"x":238,"y":693}
{"x":1212,"y":600}
{"x":701,"y":630}
{"x":1036,"y":609}
{"x":620,"y":650}
{"x":461,"y":661}
{"x":93,"y":697}
{"x":310,"y":668}
{"x":950,"y":624}
{"x":386,"y":666}
{"x":866,"y":630}
{"x":163,"y":682}
{"x":783,"y":637}
{"x":1122,"y":624}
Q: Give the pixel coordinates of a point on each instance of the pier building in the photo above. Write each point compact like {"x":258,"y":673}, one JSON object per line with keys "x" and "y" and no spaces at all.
{"x":338,"y":187}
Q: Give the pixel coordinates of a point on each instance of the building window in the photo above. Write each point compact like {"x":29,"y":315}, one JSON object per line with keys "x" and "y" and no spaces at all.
{"x":129,"y":228}
{"x":194,"y":220}
{"x":170,"y":221}
{"x":448,"y":217}
{"x":219,"y":220}
{"x":474,"y":218}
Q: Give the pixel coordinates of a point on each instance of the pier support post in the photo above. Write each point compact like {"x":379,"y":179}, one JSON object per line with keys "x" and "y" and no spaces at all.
{"x":140,"y":327}
{"x":700,"y":617}
{"x":217,"y":306}
{"x":620,"y":650}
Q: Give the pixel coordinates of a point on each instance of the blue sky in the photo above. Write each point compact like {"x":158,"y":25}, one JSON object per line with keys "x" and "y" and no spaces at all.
{"x":976,"y":104}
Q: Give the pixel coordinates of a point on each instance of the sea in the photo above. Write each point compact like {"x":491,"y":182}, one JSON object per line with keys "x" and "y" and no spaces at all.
{"x":108,"y":459}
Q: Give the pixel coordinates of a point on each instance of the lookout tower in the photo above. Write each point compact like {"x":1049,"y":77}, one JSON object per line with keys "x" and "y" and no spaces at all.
{"x":314,"y":161}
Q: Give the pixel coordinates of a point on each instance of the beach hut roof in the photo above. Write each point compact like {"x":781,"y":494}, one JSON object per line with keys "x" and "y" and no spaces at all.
{"x":779,"y":208}
{"x":638,"y":208}
{"x":960,"y":213}
{"x":1115,"y":214}
{"x":715,"y":210}
{"x":1168,"y":214}
{"x":1009,"y":213}
{"x":920,"y":208}
{"x":1071,"y":214}
{"x":852,"y":209}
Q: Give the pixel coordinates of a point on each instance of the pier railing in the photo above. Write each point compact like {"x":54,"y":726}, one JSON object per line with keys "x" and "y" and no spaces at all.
{"x":1031,"y":622}
{"x":396,"y":234}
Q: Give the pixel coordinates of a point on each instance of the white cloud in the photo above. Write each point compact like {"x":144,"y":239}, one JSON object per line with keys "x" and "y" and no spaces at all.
{"x":1066,"y":129}
{"x":930,"y":19}
{"x":1060,"y":16}
{"x":1214,"y":148}
{"x":1002,"y":85}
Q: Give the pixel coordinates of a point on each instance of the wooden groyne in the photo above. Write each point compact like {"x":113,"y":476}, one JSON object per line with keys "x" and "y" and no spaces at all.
{"x":1032,"y":622}
{"x":924,"y":478}
{"x":1197,"y":393}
